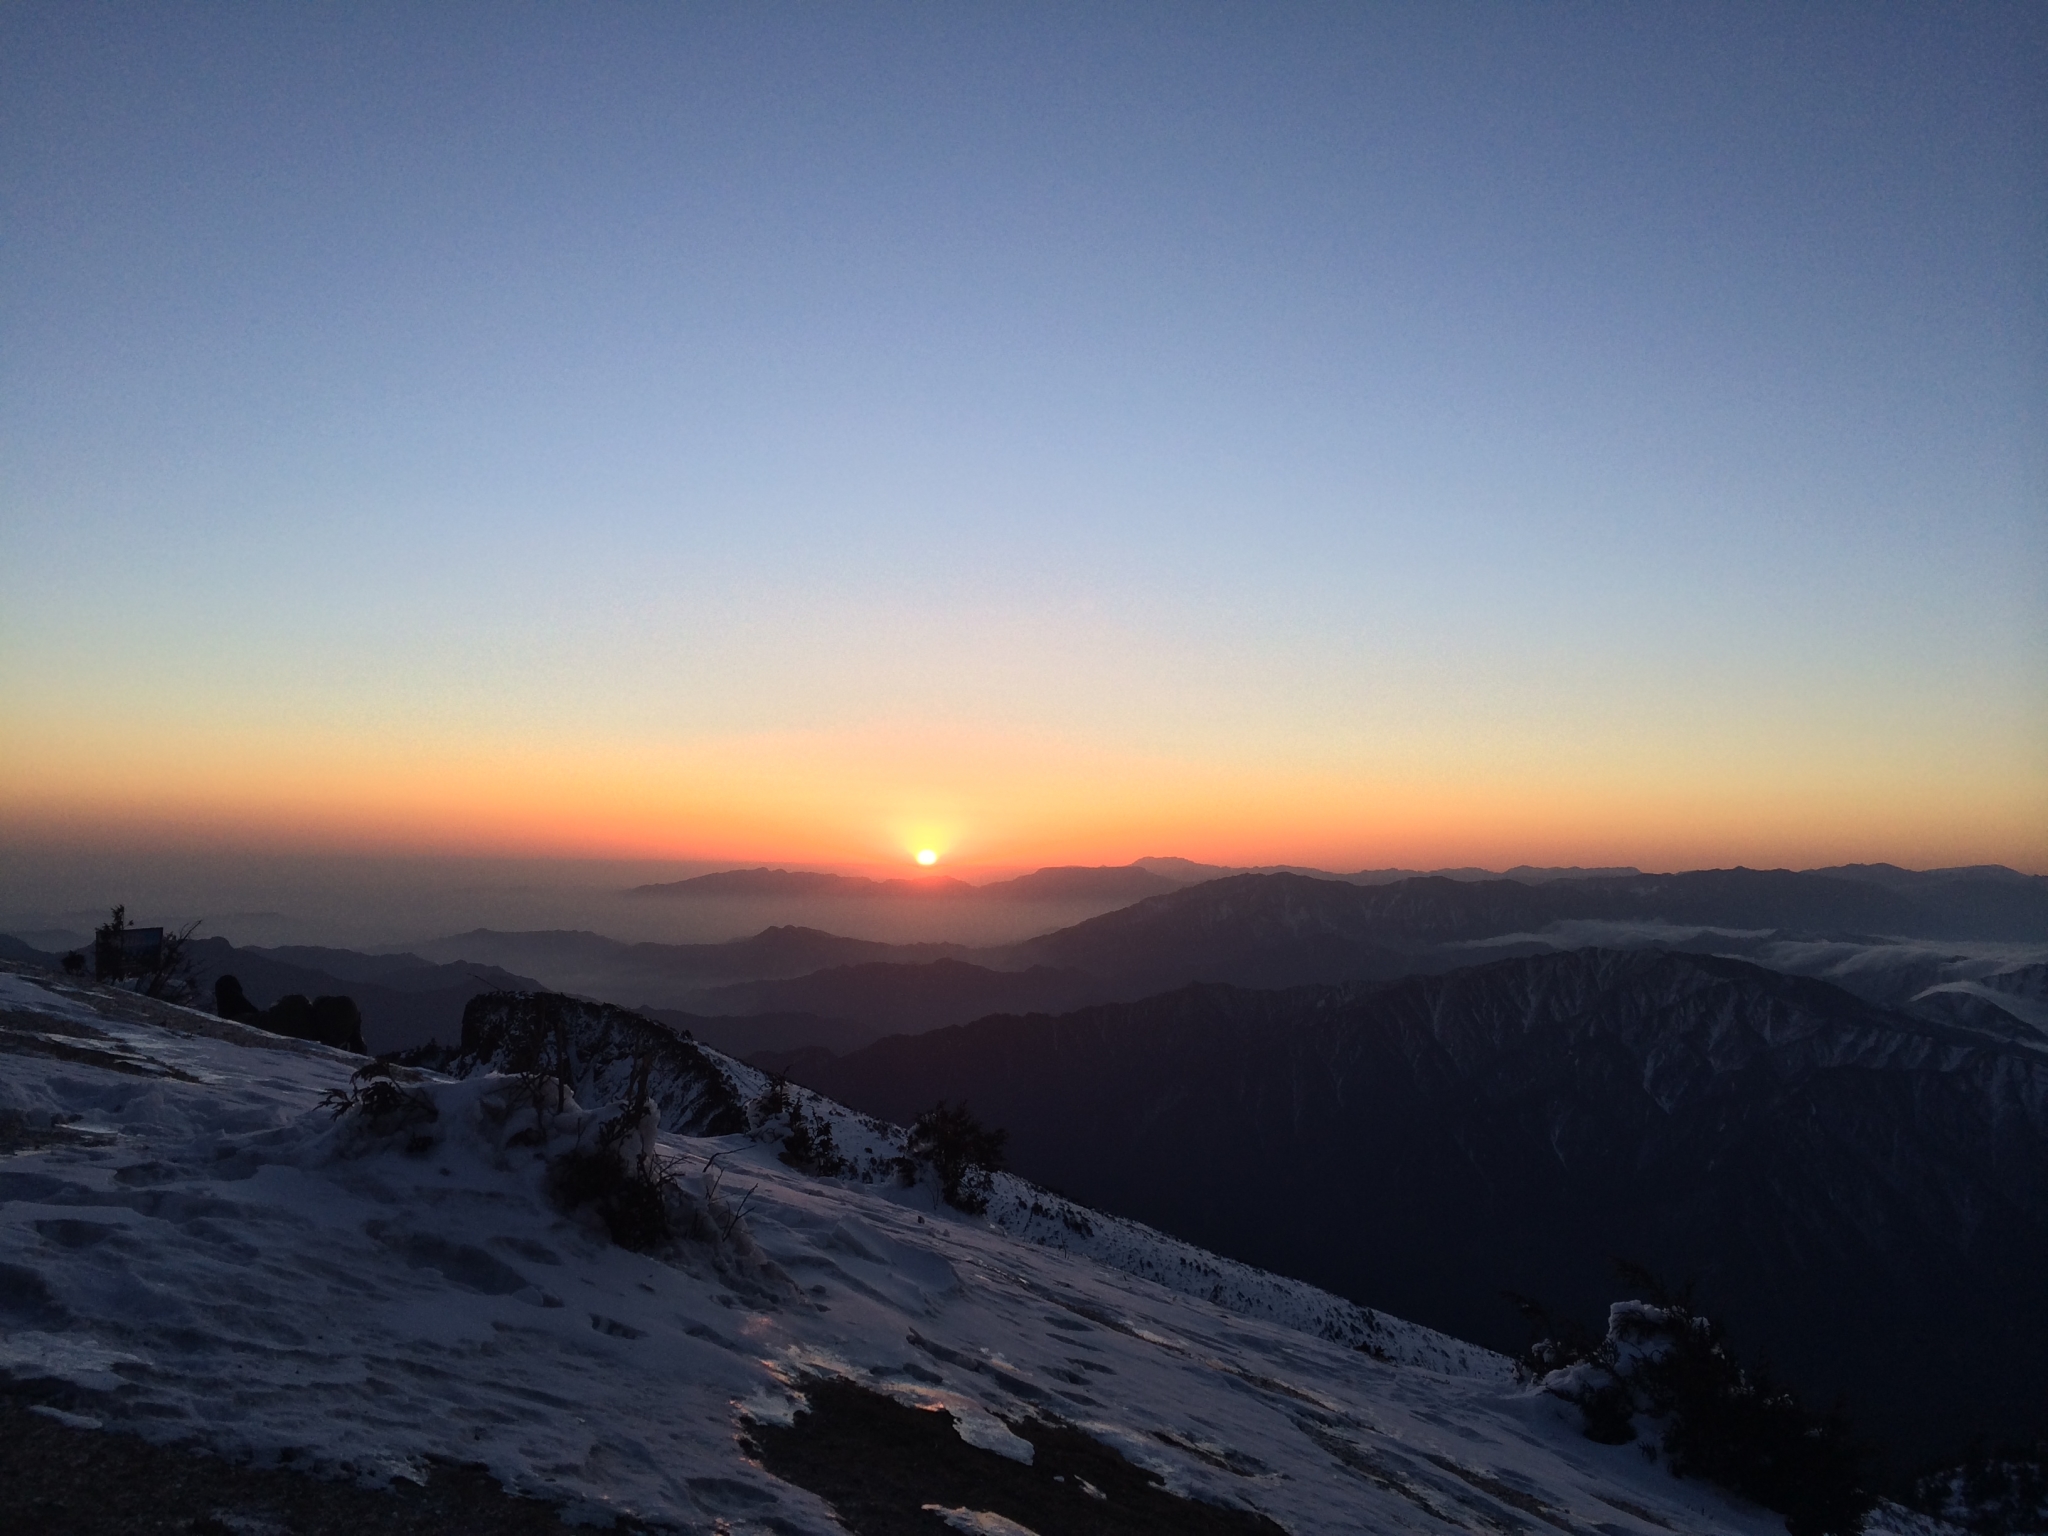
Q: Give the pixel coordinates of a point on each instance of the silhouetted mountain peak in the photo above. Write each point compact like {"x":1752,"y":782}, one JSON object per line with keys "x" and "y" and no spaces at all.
{"x":802,"y":883}
{"x":1063,"y":882}
{"x":1066,"y":882}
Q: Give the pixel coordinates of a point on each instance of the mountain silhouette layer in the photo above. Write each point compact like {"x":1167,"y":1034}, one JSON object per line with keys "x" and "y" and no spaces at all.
{"x":1286,"y":929}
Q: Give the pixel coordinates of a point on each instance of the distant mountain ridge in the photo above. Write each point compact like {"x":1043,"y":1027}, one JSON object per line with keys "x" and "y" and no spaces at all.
{"x":802,"y":882}
{"x":1131,"y":882}
{"x":579,"y":961}
{"x":1894,"y":878}
{"x":1977,"y":901}
{"x":1831,"y":1173}
{"x":1057,"y":883}
{"x":1278,"y":930}
{"x":1261,"y":930}
{"x":1282,"y":929}
{"x":1188,"y":872}
{"x":1152,"y":875}
{"x":405,"y":1000}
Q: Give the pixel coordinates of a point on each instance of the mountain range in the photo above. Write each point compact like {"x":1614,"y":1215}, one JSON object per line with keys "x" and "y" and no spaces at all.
{"x":1869,"y":933}
{"x":1862,"y":1193}
{"x":1129,"y":882}
{"x":1875,"y":929}
{"x":1976,"y":901}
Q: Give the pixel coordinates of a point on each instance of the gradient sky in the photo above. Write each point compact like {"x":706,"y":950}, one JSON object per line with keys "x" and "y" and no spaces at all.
{"x":1343,"y":435}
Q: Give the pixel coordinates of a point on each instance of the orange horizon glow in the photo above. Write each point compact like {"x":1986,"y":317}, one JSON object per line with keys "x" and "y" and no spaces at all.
{"x":988,"y":803}
{"x":755,"y":478}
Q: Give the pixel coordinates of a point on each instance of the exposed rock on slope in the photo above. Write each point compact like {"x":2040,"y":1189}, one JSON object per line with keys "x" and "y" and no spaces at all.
{"x":602,"y":1045}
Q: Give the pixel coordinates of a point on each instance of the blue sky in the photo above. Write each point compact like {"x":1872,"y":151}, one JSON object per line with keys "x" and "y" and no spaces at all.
{"x":1643,"y":403}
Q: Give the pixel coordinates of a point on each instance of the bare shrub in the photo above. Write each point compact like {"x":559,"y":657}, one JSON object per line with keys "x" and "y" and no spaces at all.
{"x":152,"y":961}
{"x":383,"y":1107}
{"x":963,"y":1152}
{"x":808,"y":1144}
{"x":622,"y":1177}
{"x":1719,"y":1418}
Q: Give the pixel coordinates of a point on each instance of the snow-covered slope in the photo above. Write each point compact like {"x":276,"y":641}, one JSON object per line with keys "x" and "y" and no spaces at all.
{"x":192,"y":1246}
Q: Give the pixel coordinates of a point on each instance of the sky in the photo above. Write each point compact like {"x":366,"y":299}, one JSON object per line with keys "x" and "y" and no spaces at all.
{"x":1340,"y":435}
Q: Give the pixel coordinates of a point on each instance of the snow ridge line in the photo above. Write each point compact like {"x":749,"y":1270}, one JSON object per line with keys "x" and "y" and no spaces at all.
{"x":1045,"y":1219}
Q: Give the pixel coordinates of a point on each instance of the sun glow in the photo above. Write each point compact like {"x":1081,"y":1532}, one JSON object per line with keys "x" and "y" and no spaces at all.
{"x":200,"y":776}
{"x":927,"y":857}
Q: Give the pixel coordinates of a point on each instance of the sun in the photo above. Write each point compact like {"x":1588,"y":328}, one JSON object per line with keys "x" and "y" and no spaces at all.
{"x":927,"y":857}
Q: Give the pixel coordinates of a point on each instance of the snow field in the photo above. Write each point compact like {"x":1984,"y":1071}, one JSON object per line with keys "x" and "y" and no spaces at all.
{"x":192,"y":1247}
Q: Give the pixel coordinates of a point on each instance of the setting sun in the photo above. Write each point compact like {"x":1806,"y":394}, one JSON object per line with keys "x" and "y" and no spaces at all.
{"x":927,"y":856}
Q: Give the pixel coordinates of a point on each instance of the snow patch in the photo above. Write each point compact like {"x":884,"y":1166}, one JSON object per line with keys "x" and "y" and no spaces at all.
{"x":986,"y":1432}
{"x":979,"y":1520}
{"x":60,"y":1357}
